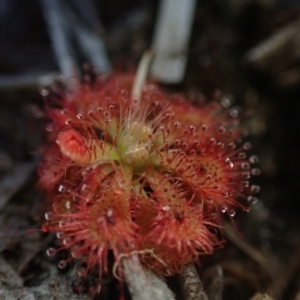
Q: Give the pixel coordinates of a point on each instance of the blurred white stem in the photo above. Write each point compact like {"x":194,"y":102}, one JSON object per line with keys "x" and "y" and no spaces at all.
{"x":171,"y":38}
{"x":144,"y":284}
{"x":140,"y":79}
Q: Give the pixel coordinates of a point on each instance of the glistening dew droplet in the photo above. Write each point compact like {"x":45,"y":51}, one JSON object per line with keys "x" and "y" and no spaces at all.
{"x":231,"y":212}
{"x":51,"y":251}
{"x":61,"y":224}
{"x":223,"y":209}
{"x":49,"y":128}
{"x":62,"y":189}
{"x":253,"y":159}
{"x":147,"y":172}
{"x":252,"y":200}
{"x":213,"y":216}
{"x":242,"y":155}
{"x":255,"y":171}
{"x":246,"y":175}
{"x":234,"y":112}
{"x":255,"y":188}
{"x":49,"y":215}
{"x":245,"y":166}
{"x":221,"y":130}
{"x":60,"y":235}
{"x":166,"y":208}
{"x":62,"y":264}
{"x":247,"y":146}
{"x":225,"y":102}
{"x":229,"y":163}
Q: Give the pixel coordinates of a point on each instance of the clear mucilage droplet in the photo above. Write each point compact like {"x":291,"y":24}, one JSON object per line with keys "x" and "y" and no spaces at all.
{"x":253,"y":159}
{"x":51,"y":252}
{"x":246,"y":175}
{"x":223,"y":209}
{"x":221,"y":130}
{"x":255,"y":188}
{"x":229,"y":163}
{"x":255,"y":171}
{"x":231,"y":212}
{"x":234,"y":112}
{"x":61,"y":224}
{"x":49,"y":128}
{"x":62,"y":189}
{"x":49,"y":215}
{"x":245,"y":166}
{"x":225,"y":102}
{"x":242,"y":155}
{"x":214,"y":216}
{"x":166,"y":208}
{"x":247,"y":146}
{"x":60,"y":235}
{"x":62,"y":264}
{"x":252,"y":200}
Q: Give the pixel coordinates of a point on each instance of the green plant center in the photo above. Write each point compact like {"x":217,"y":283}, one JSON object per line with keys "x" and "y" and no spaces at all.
{"x":134,"y":144}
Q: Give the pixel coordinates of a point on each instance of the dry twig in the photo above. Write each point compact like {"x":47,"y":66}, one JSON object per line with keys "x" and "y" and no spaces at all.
{"x":260,"y":296}
{"x":273,"y":44}
{"x":282,"y":279}
{"x":191,"y":284}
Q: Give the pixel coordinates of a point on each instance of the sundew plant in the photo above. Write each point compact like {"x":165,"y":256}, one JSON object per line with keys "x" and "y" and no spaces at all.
{"x":152,"y":174}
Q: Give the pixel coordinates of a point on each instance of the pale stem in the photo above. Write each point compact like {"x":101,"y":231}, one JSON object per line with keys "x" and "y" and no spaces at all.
{"x":144,"y":284}
{"x":140,"y":79}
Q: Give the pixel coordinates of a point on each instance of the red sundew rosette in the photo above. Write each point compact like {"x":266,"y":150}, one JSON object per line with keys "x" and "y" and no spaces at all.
{"x":190,"y":123}
{"x":81,"y":120}
{"x":215,"y":176}
{"x":175,"y":230}
{"x":53,"y":168}
{"x":198,"y":145}
{"x":166,"y":147}
{"x":97,"y":105}
{"x":91,"y":227}
{"x":91,"y":230}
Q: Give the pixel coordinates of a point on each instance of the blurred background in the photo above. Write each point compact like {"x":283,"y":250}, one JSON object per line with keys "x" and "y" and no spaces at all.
{"x":247,"y":50}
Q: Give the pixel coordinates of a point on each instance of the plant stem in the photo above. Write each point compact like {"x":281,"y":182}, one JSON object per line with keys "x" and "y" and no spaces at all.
{"x":140,"y":79}
{"x":191,"y":285}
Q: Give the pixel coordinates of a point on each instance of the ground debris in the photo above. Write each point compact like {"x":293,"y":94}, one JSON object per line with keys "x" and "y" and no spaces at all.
{"x":260,"y":296}
{"x":235,"y":46}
